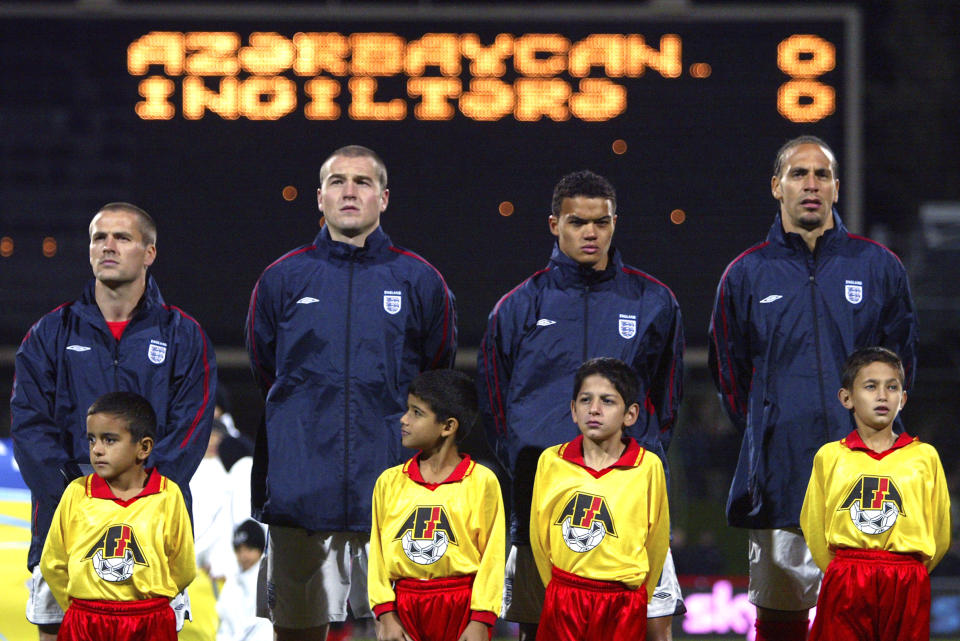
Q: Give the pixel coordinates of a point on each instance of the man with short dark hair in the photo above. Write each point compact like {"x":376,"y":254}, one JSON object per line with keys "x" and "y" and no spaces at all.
{"x":787,"y":313}
{"x":586,"y":303}
{"x":118,"y":336}
{"x":336,"y":331}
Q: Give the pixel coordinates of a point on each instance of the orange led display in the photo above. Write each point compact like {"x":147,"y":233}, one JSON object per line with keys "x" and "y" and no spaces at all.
{"x":436,"y":94}
{"x":806,"y":100}
{"x":487,"y":60}
{"x":319,"y":53}
{"x":364,"y":105}
{"x":488,"y":99}
{"x":805,"y":57}
{"x":529,"y":77}
{"x":321,"y":92}
{"x":212,"y":53}
{"x":440,"y":51}
{"x":268,"y":54}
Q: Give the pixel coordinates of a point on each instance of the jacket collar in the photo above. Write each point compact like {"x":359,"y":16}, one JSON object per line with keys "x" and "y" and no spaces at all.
{"x":573,"y":272}
{"x":854,"y":442}
{"x":150,"y":300}
{"x":778,"y":236}
{"x":375,"y":243}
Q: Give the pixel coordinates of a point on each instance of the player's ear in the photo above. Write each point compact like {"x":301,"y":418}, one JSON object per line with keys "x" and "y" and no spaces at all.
{"x":449,"y":427}
{"x":903,"y":399}
{"x":631,"y":414}
{"x":775,"y":187}
{"x":554,"y":223}
{"x":145,"y":448}
{"x":844,"y":396}
{"x":573,"y":411}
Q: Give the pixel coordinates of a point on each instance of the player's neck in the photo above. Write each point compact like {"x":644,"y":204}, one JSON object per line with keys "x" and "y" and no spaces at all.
{"x":357,"y":241}
{"x":809,"y":236}
{"x":877,"y":440}
{"x":128,"y":484}
{"x":599,"y":455}
{"x":119,"y":303}
{"x":437,"y":464}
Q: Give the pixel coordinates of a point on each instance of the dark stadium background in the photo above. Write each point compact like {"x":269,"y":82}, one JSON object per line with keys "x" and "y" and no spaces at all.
{"x":70,"y":141}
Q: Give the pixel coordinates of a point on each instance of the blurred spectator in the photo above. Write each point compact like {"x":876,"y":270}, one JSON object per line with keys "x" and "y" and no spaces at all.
{"x":238,"y":599}
{"x":212,"y":521}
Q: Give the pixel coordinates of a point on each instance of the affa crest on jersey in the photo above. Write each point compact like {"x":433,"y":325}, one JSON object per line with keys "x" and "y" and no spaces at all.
{"x":115,"y":554}
{"x":627,"y":325}
{"x":157,"y":351}
{"x":392,"y":301}
{"x":853,"y":290}
{"x":874,"y":503}
{"x":426,"y":534}
{"x":584,"y":521}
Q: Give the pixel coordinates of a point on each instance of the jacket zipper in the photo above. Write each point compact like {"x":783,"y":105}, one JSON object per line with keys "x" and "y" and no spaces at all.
{"x":812,"y":266}
{"x":346,"y":395}
{"x":586,"y":322}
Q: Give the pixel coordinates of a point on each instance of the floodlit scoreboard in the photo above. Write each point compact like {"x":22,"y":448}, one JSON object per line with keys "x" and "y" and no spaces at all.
{"x":264,"y":75}
{"x":216,"y":117}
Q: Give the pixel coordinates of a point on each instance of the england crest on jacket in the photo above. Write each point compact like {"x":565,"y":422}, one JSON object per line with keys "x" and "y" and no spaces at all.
{"x":853,"y":291}
{"x":157,"y":351}
{"x":627,"y":325}
{"x":585,"y":521}
{"x":115,"y":554}
{"x":392,"y":301}
{"x":425,"y":534}
{"x":874,"y":503}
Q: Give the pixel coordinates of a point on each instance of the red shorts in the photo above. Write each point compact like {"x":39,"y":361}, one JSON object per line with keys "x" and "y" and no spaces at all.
{"x":145,"y":620}
{"x":876,"y":595}
{"x":436,"y":609}
{"x":579,"y":609}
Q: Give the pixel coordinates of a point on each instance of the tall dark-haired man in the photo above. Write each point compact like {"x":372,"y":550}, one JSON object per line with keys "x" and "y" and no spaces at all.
{"x":787,"y":313}
{"x":336,"y":331}
{"x":585,"y":303}
{"x":118,"y":336}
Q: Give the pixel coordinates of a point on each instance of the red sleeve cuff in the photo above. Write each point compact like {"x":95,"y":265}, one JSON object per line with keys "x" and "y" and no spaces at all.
{"x":382,"y":608}
{"x":489,"y":618}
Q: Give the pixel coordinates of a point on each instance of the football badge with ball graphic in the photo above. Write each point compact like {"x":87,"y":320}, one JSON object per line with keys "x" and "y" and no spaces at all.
{"x":585,"y":521}
{"x":874,"y":503}
{"x":116,"y":553}
{"x":425,"y":534}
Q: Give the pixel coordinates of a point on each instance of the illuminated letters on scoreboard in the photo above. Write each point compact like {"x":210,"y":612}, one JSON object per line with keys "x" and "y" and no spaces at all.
{"x":528,"y":77}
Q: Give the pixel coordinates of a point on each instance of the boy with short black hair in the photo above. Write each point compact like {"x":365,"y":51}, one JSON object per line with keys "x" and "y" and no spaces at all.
{"x":599,"y":520}
{"x":437,"y":541}
{"x":876,"y":513}
{"x":120,"y":545}
{"x":237,"y":603}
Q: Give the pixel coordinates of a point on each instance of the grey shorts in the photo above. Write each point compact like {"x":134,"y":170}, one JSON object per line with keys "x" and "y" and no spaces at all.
{"x":312,"y":577}
{"x":523,"y":591}
{"x":42,"y":608}
{"x":783,"y":575}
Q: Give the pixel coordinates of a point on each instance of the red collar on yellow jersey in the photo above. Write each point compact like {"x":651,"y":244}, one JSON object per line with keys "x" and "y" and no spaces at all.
{"x":854,"y":442}
{"x":97,"y":488}
{"x":412,"y":469}
{"x":573,"y":452}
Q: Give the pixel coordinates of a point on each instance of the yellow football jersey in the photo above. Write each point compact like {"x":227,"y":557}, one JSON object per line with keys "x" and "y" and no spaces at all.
{"x":607,"y":525}
{"x":104,"y":548}
{"x":895,"y":501}
{"x":436,"y":530}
